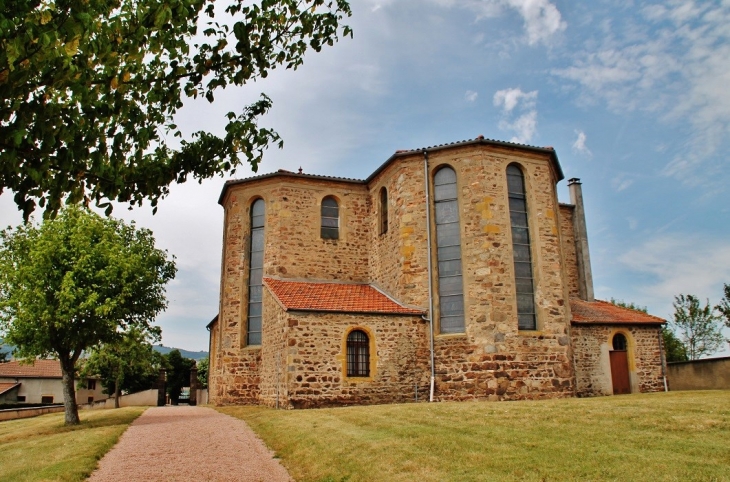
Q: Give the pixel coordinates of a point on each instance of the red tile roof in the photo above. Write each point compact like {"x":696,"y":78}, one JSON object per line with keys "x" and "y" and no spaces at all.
{"x":603,"y":312}
{"x":6,"y":387}
{"x":335,"y":297}
{"x":39,"y":369}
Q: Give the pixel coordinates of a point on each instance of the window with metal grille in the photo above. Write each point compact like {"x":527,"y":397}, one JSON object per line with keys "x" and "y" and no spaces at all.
{"x":524,"y":285}
{"x":383,"y":210}
{"x":255,"y":273}
{"x":47,"y":399}
{"x":330,"y":218}
{"x":358,"y":354}
{"x":448,"y":253}
{"x":619,"y":342}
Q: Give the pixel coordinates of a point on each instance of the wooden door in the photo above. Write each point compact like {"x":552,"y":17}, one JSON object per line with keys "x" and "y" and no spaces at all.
{"x":620,"y":372}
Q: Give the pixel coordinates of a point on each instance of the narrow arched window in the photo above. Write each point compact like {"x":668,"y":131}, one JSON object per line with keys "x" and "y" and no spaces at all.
{"x":330,"y":218}
{"x":524,"y":285}
{"x":448,"y":253}
{"x":383,"y":210}
{"x":619,"y":342}
{"x":358,"y":354}
{"x":255,"y":273}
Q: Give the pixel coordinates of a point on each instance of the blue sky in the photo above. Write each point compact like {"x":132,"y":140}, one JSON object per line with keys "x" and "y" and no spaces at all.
{"x":634,"y":97}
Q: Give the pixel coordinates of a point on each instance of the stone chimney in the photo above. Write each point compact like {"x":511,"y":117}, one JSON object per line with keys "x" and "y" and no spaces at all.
{"x":585,"y":277}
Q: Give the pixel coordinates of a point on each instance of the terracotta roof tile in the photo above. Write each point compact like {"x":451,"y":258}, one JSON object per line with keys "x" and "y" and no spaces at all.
{"x":335,"y":297}
{"x":6,"y":387}
{"x":603,"y":312}
{"x":39,"y":369}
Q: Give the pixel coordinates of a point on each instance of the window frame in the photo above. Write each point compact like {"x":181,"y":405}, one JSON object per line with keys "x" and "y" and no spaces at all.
{"x":383,"y":211}
{"x":355,"y":350}
{"x":257,"y":230}
{"x":329,"y":224}
{"x":522,"y":256}
{"x":451,"y":285}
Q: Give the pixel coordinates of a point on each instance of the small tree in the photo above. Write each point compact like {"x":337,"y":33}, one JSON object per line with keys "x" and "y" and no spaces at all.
{"x":129,"y":361}
{"x":631,"y":305}
{"x":699,"y":328}
{"x":203,"y":372}
{"x":724,"y":306}
{"x":72,"y":283}
{"x":674,"y":349}
{"x":178,"y":374}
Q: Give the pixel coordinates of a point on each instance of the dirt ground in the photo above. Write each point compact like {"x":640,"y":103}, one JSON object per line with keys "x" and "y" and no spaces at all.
{"x":189,"y":443}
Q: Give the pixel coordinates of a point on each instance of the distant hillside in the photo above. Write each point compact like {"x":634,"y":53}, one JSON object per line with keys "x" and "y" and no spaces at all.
{"x":195,"y":355}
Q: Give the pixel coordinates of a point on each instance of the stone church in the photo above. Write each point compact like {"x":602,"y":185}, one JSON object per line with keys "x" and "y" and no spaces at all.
{"x":451,"y":273}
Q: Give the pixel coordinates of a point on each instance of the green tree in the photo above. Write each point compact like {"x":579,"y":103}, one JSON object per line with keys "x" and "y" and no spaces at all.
{"x":72,"y":283}
{"x":674,"y":349}
{"x":89,"y":90}
{"x":178,"y":374}
{"x":203,"y":366}
{"x":724,"y":306}
{"x":127,"y":363}
{"x":3,"y":356}
{"x":631,"y":305}
{"x":699,"y":328}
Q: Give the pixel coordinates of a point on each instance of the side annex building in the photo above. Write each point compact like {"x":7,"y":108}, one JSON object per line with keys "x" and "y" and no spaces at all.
{"x":451,"y":273}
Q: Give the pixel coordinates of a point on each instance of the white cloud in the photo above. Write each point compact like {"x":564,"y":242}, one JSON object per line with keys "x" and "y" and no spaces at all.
{"x":580,"y":146}
{"x":621,"y":183}
{"x":524,"y":125}
{"x":470,"y":96}
{"x":676,"y":66}
{"x":680,"y":263}
{"x":508,"y":99}
{"x":542,"y":19}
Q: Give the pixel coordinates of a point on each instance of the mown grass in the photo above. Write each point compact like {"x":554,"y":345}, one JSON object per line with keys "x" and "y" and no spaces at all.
{"x":676,"y":436}
{"x":43,"y":449}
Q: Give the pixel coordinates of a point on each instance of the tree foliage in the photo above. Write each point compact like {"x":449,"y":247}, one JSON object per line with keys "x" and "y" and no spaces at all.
{"x":73,"y":283}
{"x":178,"y":374}
{"x":203,"y":366}
{"x":674,"y":349}
{"x":724,"y":306}
{"x":128,"y":363}
{"x":699,"y":328}
{"x":89,"y":90}
{"x":629,"y":305}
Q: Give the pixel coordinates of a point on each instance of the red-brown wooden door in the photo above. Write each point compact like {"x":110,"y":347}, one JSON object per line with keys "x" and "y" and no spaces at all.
{"x":620,"y":372}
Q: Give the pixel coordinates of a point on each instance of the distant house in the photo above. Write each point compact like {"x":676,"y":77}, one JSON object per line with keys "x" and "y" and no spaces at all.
{"x":41,"y":383}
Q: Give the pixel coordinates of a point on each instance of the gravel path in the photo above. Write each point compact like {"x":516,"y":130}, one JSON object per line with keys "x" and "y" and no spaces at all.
{"x":189,"y":443}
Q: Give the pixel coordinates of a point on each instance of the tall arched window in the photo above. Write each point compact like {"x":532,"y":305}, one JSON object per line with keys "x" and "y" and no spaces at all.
{"x":448,"y":254}
{"x":255,"y":273}
{"x":330,"y":218}
{"x":383,"y":210}
{"x":358,"y":354}
{"x":524,"y":286}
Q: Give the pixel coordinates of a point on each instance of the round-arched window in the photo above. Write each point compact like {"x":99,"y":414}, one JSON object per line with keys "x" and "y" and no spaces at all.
{"x":358,"y":354}
{"x":619,"y":342}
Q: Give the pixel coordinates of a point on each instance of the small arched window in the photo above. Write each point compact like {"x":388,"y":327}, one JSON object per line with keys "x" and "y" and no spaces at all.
{"x":358,"y":354}
{"x":619,"y":342}
{"x":330,"y":218}
{"x":255,"y":273}
{"x":383,"y":210}
{"x":524,"y":284}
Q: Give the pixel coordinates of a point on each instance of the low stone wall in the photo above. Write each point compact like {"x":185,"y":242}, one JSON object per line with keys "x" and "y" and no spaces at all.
{"x":709,"y":374}
{"x":147,"y":398}
{"x":15,"y":413}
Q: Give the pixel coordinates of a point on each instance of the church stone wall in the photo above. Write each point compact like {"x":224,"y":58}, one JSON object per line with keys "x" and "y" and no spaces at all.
{"x":592,"y":344}
{"x":316,"y":357}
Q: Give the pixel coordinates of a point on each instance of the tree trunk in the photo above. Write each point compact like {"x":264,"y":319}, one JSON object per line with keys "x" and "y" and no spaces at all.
{"x":117,"y":393}
{"x":71,"y":411}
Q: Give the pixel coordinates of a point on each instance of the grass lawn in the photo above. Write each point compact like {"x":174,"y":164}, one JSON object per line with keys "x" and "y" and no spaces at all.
{"x":676,"y":436}
{"x":42,"y":448}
